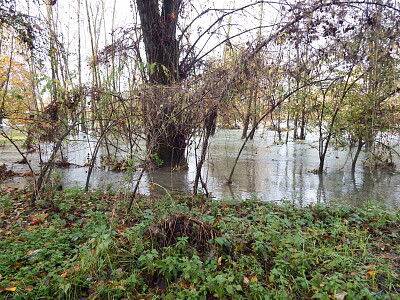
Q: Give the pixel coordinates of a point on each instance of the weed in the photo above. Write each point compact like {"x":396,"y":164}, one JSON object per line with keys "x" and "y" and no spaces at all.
{"x":84,"y":245}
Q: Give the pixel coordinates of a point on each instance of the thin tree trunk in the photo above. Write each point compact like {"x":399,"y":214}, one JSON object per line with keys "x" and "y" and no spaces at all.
{"x":303,"y":125}
{"x":267,"y":113}
{"x":295,"y":126}
{"x":209,"y":130}
{"x":247,"y":118}
{"x":356,"y":155}
{"x":255,"y":123}
{"x":287,"y":127}
{"x":53,"y":106}
{"x":49,"y":164}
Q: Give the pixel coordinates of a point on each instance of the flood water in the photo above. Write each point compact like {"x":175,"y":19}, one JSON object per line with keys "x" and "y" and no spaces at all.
{"x":267,"y":171}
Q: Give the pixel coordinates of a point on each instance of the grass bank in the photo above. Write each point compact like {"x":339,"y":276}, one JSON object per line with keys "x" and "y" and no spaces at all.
{"x":77,"y":245}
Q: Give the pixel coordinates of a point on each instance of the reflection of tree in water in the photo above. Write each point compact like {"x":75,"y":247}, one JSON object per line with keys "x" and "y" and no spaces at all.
{"x":372,"y":186}
{"x":321,"y":195}
{"x":272,"y":172}
{"x":297,"y":175}
{"x":251,"y":172}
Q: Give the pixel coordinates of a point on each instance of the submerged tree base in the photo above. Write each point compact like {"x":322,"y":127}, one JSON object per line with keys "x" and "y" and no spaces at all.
{"x":79,"y":245}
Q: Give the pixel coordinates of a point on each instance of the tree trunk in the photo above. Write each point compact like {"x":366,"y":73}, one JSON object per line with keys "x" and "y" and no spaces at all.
{"x":354,"y":162}
{"x":166,"y":138}
{"x":209,"y":130}
{"x":52,"y":108}
{"x":303,"y":125}
{"x":161,"y":46}
{"x":295,"y":126}
{"x":255,"y":119}
{"x":247,"y":118}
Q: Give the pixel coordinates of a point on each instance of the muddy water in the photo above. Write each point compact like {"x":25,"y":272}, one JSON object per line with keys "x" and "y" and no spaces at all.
{"x":266,"y":170}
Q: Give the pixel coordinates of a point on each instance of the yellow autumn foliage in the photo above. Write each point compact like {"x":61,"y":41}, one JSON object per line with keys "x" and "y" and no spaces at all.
{"x":16,"y":96}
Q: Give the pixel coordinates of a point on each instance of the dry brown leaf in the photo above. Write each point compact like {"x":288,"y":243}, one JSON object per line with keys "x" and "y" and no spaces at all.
{"x":340,"y":295}
{"x":219,"y":262}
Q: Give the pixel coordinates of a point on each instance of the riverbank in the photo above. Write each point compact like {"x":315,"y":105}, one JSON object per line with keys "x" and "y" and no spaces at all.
{"x":78,"y":245}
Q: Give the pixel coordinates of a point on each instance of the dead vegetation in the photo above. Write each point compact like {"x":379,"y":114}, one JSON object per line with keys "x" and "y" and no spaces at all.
{"x":168,"y":232}
{"x":6,"y":173}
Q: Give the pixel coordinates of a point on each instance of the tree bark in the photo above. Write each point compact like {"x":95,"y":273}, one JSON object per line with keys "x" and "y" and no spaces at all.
{"x":247,"y":118}
{"x":354,"y":162}
{"x":159,"y":36}
{"x":166,"y":137}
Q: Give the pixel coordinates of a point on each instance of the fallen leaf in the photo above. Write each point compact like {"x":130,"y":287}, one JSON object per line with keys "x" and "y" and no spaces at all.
{"x":340,"y":295}
{"x":76,"y":268}
{"x":35,"y":222}
{"x":33,"y":253}
{"x":246,"y":280}
{"x":63,"y":275}
{"x":11,"y":289}
{"x":121,"y":227}
{"x":37,"y":219}
{"x":17,"y":266}
{"x":182,"y":284}
{"x":219,"y":262}
{"x":370,"y":274}
{"x":254,"y":279}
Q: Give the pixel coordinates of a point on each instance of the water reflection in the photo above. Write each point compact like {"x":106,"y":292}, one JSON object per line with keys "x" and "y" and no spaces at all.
{"x":275,"y":172}
{"x":266,"y":170}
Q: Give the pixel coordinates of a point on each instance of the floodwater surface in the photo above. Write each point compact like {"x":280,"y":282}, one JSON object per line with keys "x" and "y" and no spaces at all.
{"x":266,"y":170}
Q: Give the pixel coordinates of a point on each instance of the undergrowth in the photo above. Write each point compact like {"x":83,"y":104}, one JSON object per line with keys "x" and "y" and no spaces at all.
{"x":77,"y":245}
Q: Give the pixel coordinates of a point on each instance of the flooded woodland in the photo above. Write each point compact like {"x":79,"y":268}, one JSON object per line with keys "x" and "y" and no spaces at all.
{"x":267,"y":170}
{"x":292,"y":101}
{"x":190,"y":149}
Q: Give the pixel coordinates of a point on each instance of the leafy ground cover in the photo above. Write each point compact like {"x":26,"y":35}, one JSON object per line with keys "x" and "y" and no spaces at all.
{"x":77,"y":245}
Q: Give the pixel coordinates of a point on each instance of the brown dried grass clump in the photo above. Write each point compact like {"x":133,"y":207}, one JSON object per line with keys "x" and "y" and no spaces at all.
{"x":182,"y":225}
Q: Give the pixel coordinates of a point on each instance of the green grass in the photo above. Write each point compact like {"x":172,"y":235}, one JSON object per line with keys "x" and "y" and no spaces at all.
{"x":76,"y":245}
